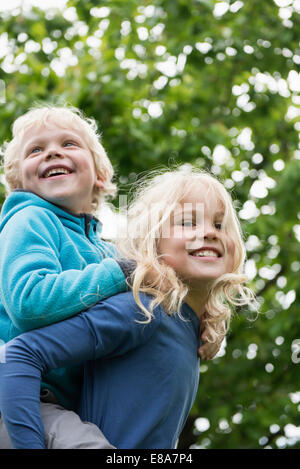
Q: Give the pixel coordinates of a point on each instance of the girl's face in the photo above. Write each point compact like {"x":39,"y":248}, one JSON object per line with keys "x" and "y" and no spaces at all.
{"x":195,"y":244}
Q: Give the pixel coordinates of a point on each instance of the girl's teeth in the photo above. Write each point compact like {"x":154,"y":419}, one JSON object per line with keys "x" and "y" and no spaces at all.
{"x":206,"y":254}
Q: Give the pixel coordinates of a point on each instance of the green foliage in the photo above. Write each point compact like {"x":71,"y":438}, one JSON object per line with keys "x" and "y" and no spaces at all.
{"x":174,"y":82}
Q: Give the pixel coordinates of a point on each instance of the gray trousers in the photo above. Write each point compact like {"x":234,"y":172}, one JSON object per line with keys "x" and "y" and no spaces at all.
{"x":63,"y":430}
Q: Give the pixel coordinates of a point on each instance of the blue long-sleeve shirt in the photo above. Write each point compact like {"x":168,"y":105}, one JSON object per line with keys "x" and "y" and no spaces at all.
{"x":140,"y":380}
{"x":53,"y":265}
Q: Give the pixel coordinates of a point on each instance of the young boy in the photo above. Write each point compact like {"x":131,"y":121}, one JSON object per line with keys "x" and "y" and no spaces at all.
{"x":53,"y":264}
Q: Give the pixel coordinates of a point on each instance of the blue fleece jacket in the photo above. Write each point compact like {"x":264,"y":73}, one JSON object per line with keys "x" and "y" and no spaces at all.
{"x":53,"y":265}
{"x":140,"y":380}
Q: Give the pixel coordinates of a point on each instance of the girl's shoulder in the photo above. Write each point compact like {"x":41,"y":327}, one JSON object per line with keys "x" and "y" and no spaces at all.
{"x":126,"y":299}
{"x":126,"y":303}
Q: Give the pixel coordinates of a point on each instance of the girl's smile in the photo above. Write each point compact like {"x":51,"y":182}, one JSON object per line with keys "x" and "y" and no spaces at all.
{"x":198,"y":248}
{"x":206,"y":252}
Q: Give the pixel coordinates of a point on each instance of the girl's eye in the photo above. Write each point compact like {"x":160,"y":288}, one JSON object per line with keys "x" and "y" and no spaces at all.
{"x":218,"y":226}
{"x":187,"y":223}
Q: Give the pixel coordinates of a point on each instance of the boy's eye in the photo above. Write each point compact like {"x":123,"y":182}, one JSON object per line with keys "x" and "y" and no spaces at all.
{"x":70,"y":144}
{"x":34,"y":150}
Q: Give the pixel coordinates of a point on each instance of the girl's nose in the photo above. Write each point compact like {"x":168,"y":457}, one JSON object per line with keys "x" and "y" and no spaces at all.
{"x":210,"y":232}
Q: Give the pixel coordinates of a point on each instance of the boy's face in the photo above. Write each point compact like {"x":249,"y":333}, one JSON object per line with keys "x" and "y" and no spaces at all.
{"x":57,"y":165}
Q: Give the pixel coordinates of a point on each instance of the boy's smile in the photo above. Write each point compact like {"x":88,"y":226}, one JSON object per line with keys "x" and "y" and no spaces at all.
{"x":56,"y":170}
{"x":57,"y":165}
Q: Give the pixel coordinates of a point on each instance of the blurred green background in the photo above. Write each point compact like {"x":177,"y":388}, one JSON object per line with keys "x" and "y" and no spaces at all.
{"x":215,"y":84}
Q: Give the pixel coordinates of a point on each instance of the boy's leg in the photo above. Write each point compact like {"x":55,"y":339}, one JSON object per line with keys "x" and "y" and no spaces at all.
{"x":65,"y":430}
{"x":4,"y":438}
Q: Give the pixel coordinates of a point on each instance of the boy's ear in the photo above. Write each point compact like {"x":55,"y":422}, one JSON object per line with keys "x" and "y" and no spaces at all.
{"x":99,"y":181}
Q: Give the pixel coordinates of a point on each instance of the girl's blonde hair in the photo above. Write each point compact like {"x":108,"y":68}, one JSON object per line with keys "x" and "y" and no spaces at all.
{"x":155,"y":200}
{"x":66,"y":117}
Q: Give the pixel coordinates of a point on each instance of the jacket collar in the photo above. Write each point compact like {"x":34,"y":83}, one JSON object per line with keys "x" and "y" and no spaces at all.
{"x":20,"y":198}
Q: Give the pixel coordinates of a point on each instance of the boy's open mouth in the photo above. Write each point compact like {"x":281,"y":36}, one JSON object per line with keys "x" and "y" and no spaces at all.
{"x":56,"y":171}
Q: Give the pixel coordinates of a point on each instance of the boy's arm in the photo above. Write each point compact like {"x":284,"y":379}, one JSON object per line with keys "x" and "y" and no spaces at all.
{"x":33,"y":288}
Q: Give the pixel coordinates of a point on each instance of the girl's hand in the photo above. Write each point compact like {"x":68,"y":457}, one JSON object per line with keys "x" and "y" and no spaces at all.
{"x":207,"y":351}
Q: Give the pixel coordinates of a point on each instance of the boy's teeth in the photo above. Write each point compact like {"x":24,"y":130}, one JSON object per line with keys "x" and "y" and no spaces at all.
{"x":205,"y":254}
{"x":56,"y":171}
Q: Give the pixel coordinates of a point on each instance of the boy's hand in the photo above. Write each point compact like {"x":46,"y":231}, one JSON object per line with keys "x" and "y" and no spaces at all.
{"x":128,"y":266}
{"x":207,"y":351}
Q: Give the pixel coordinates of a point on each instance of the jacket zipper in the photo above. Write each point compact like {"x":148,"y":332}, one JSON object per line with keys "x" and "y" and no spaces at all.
{"x":87,"y":221}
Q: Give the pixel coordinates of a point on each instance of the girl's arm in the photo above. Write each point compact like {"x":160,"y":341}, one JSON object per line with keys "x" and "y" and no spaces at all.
{"x":107,"y":329}
{"x":33,"y":288}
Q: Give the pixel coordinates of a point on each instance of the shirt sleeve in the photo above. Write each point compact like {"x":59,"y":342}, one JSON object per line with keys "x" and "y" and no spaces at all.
{"x":32,"y":280}
{"x":110,"y":328}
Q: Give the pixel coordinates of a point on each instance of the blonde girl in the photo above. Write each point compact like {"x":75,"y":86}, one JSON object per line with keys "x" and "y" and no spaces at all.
{"x":140,"y":347}
{"x":203,"y":209}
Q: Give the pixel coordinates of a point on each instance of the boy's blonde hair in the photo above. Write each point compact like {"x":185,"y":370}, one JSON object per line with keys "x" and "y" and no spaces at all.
{"x":65,"y":117}
{"x":156,"y":199}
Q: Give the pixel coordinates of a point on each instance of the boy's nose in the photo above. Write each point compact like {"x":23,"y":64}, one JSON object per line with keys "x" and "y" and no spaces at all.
{"x":53,"y":153}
